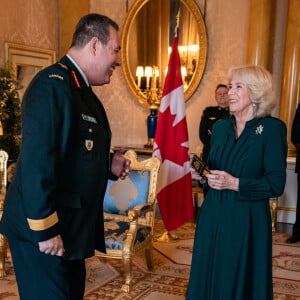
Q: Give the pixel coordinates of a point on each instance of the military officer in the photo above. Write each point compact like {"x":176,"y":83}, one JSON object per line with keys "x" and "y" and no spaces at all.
{"x":210,"y":115}
{"x":53,"y":215}
{"x":295,"y":137}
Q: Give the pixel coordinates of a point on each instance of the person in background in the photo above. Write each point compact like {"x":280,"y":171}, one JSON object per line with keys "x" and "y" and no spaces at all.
{"x":232,"y":255}
{"x":295,"y":137}
{"x":210,"y":115}
{"x":53,"y":215}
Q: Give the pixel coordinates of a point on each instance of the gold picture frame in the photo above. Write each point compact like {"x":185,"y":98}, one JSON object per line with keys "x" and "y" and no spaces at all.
{"x":25,"y":61}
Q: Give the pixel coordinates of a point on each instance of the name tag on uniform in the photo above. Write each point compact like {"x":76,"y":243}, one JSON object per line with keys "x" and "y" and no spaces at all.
{"x":88,"y":118}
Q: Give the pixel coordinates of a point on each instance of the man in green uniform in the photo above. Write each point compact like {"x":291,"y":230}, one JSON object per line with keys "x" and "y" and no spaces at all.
{"x":296,"y":141}
{"x":210,"y":115}
{"x":53,"y":216}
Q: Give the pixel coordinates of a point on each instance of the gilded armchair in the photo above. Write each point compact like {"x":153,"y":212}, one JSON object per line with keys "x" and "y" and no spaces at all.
{"x":3,"y":182}
{"x":129,"y":213}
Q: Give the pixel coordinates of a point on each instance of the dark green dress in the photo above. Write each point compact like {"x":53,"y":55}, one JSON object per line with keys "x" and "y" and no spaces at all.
{"x":232,"y":256}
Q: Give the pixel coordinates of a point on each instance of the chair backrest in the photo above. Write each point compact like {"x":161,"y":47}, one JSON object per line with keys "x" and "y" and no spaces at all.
{"x":138,"y":188}
{"x":3,"y":178}
{"x":3,"y":170}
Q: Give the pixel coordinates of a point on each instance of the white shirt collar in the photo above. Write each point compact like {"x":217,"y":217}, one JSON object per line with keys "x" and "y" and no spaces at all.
{"x":79,"y":70}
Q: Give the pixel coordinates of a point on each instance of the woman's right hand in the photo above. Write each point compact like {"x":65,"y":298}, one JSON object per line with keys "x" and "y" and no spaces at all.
{"x":221,"y":180}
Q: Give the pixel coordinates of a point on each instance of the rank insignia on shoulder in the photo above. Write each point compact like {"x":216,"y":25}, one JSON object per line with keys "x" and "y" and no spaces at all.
{"x":89,"y":144}
{"x":56,"y":76}
{"x":63,"y":66}
{"x":89,"y":118}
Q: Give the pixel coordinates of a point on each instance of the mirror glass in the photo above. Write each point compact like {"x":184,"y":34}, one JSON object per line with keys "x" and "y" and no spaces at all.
{"x":146,"y":42}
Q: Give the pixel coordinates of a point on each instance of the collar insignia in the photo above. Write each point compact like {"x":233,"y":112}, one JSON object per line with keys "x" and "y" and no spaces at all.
{"x":75,"y":79}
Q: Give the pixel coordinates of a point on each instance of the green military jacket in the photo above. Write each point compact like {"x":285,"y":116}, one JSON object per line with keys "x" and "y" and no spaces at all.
{"x":63,"y":166}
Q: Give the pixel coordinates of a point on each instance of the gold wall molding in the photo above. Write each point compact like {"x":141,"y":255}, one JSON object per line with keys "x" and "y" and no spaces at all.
{"x":259,"y":34}
{"x":290,"y":209}
{"x":290,"y":86}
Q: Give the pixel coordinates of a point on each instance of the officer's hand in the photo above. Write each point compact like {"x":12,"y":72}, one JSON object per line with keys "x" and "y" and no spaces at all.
{"x":53,"y":246}
{"x":120,"y":165}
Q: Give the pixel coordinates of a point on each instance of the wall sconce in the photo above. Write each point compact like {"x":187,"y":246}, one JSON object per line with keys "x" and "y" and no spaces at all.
{"x":183,"y":75}
{"x":188,"y":58}
{"x":148,"y":85}
{"x":139,"y":74}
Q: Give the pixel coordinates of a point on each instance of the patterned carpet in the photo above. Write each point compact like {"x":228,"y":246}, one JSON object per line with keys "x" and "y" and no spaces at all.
{"x":170,"y":277}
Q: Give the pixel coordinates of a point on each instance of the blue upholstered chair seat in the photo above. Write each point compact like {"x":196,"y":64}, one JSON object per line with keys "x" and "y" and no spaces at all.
{"x":129,"y":213}
{"x":116,"y":233}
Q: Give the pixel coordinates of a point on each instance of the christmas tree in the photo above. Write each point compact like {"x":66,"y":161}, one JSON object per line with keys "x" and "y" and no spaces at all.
{"x":10,"y":114}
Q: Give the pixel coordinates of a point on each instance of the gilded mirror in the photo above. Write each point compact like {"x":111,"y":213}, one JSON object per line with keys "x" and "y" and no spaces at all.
{"x":146,"y":41}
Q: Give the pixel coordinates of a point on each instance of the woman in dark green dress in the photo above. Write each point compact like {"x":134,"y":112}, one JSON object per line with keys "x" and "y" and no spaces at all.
{"x":232,"y":256}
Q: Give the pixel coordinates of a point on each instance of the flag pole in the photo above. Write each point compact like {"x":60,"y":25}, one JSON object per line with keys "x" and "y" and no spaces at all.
{"x":167,"y":236}
{"x":177,"y":23}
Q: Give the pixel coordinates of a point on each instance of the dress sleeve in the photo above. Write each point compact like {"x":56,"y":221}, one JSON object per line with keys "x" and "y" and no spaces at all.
{"x":272,"y":182}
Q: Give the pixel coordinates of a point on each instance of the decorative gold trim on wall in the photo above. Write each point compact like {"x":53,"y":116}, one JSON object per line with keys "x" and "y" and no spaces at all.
{"x":290,"y":88}
{"x":291,"y":209}
{"x":17,"y":55}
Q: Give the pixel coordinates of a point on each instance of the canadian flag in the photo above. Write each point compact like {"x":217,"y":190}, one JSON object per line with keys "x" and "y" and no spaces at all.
{"x":174,"y":186}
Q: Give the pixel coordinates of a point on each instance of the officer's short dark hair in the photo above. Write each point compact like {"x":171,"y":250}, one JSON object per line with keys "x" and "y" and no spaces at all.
{"x":92,"y":25}
{"x":221,"y":85}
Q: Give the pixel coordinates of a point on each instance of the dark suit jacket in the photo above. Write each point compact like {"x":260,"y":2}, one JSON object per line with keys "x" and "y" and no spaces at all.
{"x":63,"y":166}
{"x":210,"y":115}
{"x":295,"y":137}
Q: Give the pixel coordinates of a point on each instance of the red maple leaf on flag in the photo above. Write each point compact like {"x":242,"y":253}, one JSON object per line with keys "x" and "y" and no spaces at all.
{"x":175,"y":141}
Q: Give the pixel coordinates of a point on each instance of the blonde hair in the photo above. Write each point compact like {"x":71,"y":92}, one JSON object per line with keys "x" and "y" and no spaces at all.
{"x":260,"y":86}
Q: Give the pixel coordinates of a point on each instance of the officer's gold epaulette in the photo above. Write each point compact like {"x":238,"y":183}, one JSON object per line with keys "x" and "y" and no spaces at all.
{"x":63,"y":66}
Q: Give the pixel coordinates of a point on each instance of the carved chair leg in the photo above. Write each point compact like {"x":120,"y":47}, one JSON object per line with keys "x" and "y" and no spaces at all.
{"x":149,"y":258}
{"x":273,"y":206}
{"x":3,"y":254}
{"x":127,"y":262}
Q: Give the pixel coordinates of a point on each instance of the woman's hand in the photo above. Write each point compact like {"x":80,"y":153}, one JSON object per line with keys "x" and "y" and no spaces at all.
{"x":220,"y":180}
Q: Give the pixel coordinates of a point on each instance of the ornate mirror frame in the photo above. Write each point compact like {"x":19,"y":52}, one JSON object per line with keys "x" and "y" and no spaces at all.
{"x":130,"y":78}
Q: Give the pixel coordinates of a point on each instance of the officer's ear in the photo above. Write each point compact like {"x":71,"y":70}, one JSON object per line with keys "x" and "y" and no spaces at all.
{"x":93,"y":44}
